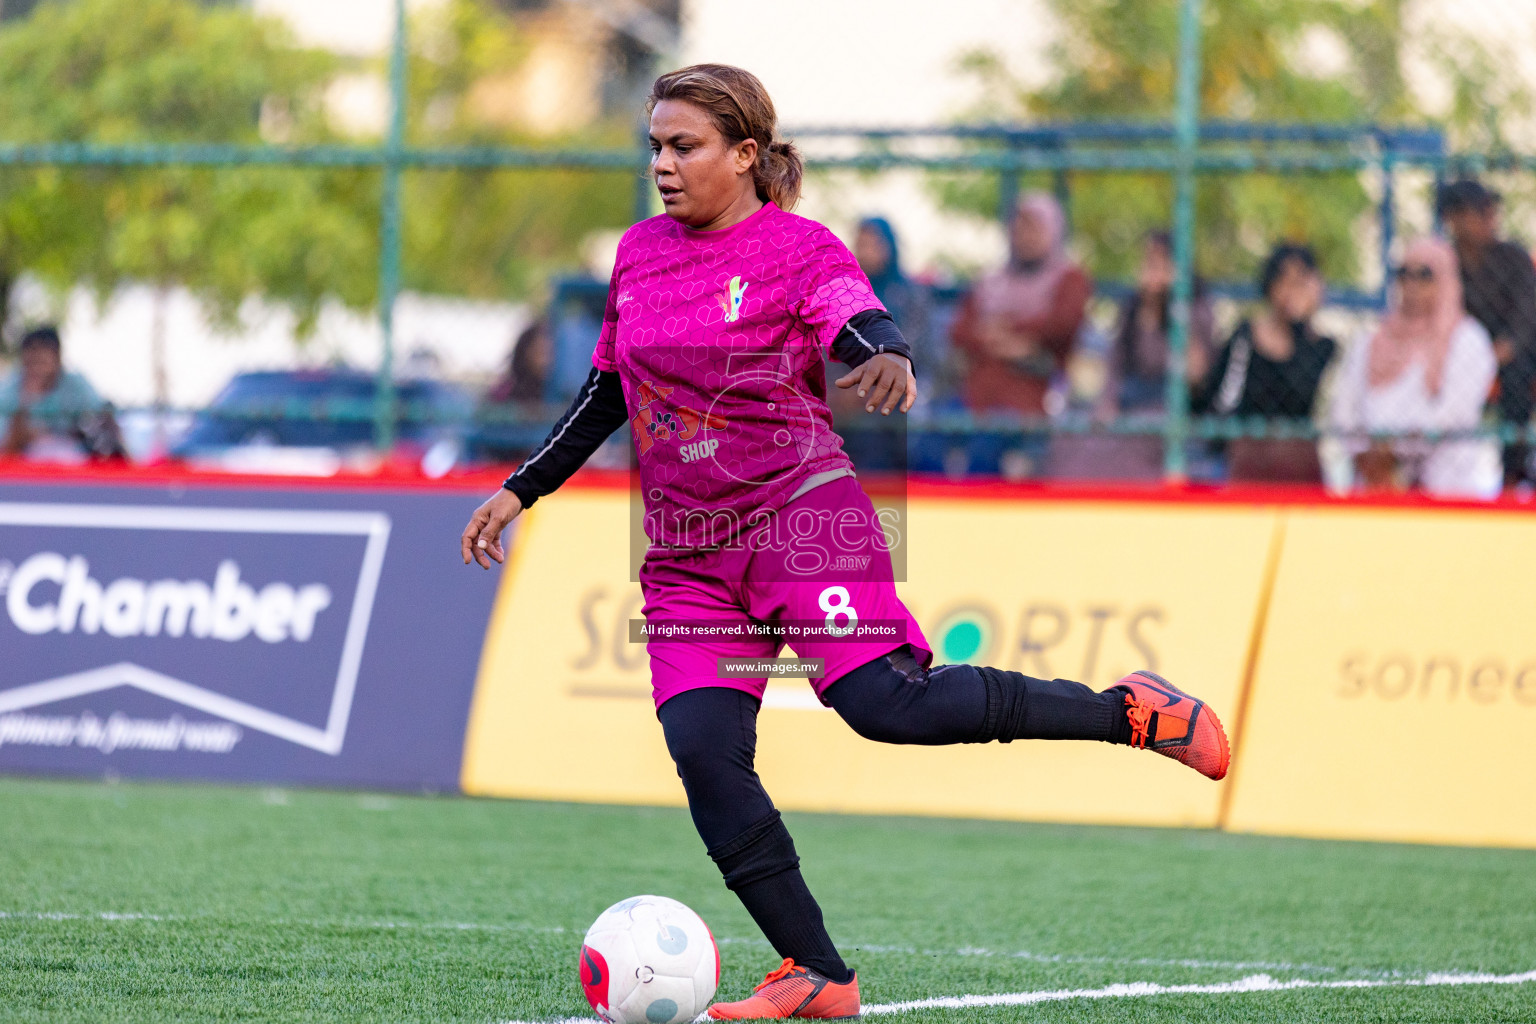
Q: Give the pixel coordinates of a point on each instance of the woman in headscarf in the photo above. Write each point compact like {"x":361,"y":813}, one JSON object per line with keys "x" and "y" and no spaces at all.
{"x":877,"y":443}
{"x":879,"y":256}
{"x":1427,"y":369}
{"x":1018,"y":323}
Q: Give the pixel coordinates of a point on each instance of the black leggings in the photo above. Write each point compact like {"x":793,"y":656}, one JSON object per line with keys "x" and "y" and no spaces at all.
{"x":712,"y":736}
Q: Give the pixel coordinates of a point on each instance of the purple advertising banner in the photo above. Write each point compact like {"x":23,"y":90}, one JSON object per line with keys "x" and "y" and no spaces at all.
{"x":275,"y":634}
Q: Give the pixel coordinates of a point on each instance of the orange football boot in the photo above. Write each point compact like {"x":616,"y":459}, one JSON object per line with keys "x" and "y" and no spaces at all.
{"x":794,"y":991}
{"x":1169,"y":721}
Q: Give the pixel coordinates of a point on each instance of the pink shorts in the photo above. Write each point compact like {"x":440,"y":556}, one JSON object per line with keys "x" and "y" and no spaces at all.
{"x":818,"y":578}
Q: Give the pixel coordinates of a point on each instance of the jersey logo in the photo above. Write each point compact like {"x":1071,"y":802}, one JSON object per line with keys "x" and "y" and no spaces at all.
{"x":731,"y":298}
{"x":654,"y":421}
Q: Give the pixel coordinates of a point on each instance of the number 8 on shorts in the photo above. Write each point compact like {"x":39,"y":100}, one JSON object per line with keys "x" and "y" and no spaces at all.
{"x":836,"y":601}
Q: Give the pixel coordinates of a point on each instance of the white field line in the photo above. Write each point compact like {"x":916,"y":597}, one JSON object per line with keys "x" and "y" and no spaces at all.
{"x":1139,"y":989}
{"x":1252,"y":983}
{"x":452,"y":926}
{"x":1130,"y":990}
{"x":57,"y":916}
{"x":1140,"y":961}
{"x":1077,"y":958}
{"x":1142,"y":989}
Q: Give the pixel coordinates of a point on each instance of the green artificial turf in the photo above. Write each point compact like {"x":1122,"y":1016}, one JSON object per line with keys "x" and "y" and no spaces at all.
{"x":253,"y":904}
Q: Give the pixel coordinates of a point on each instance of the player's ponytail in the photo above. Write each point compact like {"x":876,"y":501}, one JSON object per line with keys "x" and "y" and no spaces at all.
{"x":741,"y":109}
{"x":778,"y":173}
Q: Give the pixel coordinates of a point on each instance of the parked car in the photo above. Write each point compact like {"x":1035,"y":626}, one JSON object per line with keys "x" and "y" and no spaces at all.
{"x":314,"y":422}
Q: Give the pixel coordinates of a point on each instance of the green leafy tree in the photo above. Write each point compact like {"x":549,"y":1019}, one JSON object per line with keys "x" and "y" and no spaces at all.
{"x":159,"y":71}
{"x":1117,"y":60}
{"x":494,"y":233}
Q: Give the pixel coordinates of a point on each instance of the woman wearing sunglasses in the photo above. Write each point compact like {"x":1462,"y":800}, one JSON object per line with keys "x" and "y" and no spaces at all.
{"x":1423,"y":378}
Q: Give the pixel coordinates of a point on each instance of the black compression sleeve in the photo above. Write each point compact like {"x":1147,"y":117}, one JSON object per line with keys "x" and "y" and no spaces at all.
{"x":596,"y":411}
{"x":866,"y":335}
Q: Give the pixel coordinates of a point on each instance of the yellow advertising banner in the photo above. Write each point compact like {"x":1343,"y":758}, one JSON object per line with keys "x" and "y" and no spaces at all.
{"x":1085,"y":590}
{"x":1394,"y":696}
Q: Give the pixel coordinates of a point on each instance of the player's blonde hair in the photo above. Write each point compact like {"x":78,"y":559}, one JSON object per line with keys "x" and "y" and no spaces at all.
{"x":741,"y":109}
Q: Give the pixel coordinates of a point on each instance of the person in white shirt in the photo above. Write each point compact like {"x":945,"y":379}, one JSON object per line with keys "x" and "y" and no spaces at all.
{"x":1426,"y":371}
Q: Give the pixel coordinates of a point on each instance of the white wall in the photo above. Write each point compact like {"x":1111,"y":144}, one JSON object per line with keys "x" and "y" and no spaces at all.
{"x":111,"y":343}
{"x":875,"y":63}
{"x":359,"y":28}
{"x":357,"y":102}
{"x":864,"y":62}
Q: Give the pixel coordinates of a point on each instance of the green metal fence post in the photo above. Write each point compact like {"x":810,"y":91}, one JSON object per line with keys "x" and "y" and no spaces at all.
{"x":644,"y":187}
{"x":1187,"y":140}
{"x":389,"y":237}
{"x":1387,"y":219}
{"x":1008,"y":185}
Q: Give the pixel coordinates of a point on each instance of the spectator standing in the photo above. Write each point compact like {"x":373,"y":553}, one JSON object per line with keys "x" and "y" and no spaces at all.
{"x":1428,"y":368}
{"x":1017,"y":325}
{"x":53,"y":414}
{"x":1136,"y":376}
{"x":1272,"y":367}
{"x":1499,"y":284}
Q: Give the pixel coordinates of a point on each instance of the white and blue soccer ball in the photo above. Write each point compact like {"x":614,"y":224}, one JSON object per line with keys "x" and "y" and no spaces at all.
{"x":649,"y":960}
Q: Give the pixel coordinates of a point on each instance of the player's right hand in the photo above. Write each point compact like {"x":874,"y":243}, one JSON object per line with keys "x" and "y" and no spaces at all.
{"x":482,"y":537}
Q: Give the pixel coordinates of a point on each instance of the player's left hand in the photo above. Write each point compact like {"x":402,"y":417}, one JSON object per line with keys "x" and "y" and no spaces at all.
{"x":482,"y":537}
{"x":883,"y":381}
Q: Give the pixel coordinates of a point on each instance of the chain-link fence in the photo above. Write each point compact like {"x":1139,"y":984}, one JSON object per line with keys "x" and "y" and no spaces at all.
{"x":1213,"y":300}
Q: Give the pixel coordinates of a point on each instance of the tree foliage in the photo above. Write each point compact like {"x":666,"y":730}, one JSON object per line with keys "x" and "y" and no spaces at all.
{"x":1289,"y":61}
{"x":490,"y":234}
{"x":162,"y":71}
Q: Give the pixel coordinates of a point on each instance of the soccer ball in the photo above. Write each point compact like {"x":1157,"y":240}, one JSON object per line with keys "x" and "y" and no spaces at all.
{"x":649,"y":960}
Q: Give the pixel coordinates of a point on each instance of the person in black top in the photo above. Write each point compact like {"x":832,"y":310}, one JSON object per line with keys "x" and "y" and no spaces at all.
{"x":1272,"y":367}
{"x":1498,"y":284}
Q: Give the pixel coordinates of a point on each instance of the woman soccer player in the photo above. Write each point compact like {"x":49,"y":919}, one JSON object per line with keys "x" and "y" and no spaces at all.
{"x":719,"y":315}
